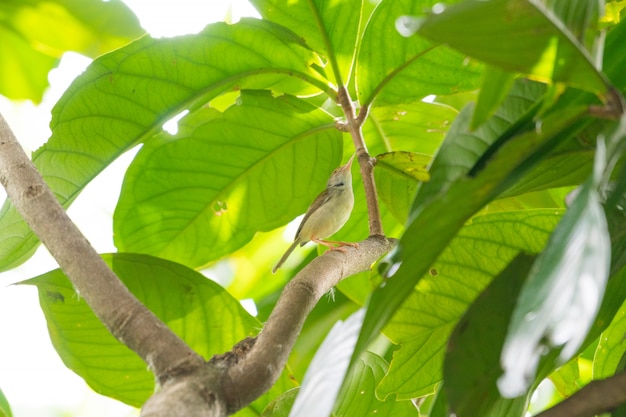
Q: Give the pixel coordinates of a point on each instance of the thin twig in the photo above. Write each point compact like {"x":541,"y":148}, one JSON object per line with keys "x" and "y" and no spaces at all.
{"x":366,"y":162}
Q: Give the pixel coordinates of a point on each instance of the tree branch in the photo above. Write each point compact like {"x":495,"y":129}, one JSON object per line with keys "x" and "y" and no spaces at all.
{"x":125,"y":317}
{"x":366,"y":162}
{"x":597,"y":397}
{"x":254,"y":365}
{"x":189,"y":385}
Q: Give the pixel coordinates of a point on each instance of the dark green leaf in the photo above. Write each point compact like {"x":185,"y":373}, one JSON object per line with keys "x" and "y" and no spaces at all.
{"x":463,"y":147}
{"x":516,"y":35}
{"x":123,"y":99}
{"x":494,"y":88}
{"x":472,"y":363}
{"x":559,"y":302}
{"x":200,"y":195}
{"x":201,"y":312}
{"x":393,"y":69}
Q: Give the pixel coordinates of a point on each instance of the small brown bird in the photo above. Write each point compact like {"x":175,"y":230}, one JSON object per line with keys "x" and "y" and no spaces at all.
{"x":327,"y":214}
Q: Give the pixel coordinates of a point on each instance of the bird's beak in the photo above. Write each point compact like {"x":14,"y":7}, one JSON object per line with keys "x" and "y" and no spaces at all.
{"x":349,"y":164}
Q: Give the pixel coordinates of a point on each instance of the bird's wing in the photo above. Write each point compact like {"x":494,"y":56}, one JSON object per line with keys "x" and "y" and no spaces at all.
{"x":317,"y":203}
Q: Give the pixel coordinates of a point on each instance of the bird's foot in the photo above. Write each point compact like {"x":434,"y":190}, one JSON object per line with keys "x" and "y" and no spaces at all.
{"x":336,"y":245}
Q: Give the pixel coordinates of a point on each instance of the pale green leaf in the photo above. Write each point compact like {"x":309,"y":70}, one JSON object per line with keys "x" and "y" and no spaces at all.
{"x":413,"y":127}
{"x":328,"y":27}
{"x":34,"y":34}
{"x":397,"y":175}
{"x":205,"y":192}
{"x":201,"y":312}
{"x":394,"y":69}
{"x":423,"y":324}
{"x":124,"y":98}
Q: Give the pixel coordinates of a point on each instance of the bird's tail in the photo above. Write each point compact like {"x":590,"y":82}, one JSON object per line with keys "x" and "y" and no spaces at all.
{"x":285,"y":256}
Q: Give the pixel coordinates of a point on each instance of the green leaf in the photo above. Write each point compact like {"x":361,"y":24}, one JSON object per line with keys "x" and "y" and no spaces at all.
{"x":122,"y":100}
{"x":611,"y":347}
{"x":493,"y":90}
{"x":580,"y":17}
{"x":472,"y":363}
{"x":198,"y":310}
{"x":36,"y":33}
{"x":413,"y":127}
{"x":281,"y":406}
{"x":516,"y":35}
{"x":393,"y":69}
{"x":459,"y":201}
{"x":566,"y":379}
{"x":397,"y":175}
{"x":24,"y":70}
{"x":463,"y":147}
{"x":202,"y":194}
{"x":359,"y":398}
{"x":329,"y":28}
{"x":5,"y":408}
{"x":559,"y":303}
{"x":421,"y":326}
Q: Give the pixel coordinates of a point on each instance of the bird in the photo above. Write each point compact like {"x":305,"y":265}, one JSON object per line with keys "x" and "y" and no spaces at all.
{"x":327,"y":214}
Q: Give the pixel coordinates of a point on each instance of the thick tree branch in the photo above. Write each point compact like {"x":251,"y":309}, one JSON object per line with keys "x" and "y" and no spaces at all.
{"x":254,"y":365}
{"x":189,"y":385}
{"x":354,"y":125}
{"x":595,"y":398}
{"x":125,"y":317}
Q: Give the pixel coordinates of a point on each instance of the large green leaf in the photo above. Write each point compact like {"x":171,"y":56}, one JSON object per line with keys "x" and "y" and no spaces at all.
{"x":200,"y":195}
{"x":422,"y":325}
{"x":558,"y":304}
{"x":462,"y":199}
{"x":516,"y":35}
{"x":123,"y":99}
{"x":201,"y":312}
{"x":329,"y":28}
{"x":463,"y":147}
{"x":394,"y":69}
{"x":472,"y":363}
{"x":35,"y":33}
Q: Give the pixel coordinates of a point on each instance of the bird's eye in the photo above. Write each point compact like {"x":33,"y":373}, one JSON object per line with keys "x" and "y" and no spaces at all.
{"x":339,"y":184}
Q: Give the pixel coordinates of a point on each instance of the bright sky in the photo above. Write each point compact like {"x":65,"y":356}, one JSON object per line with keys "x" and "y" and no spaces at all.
{"x":32,"y":376}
